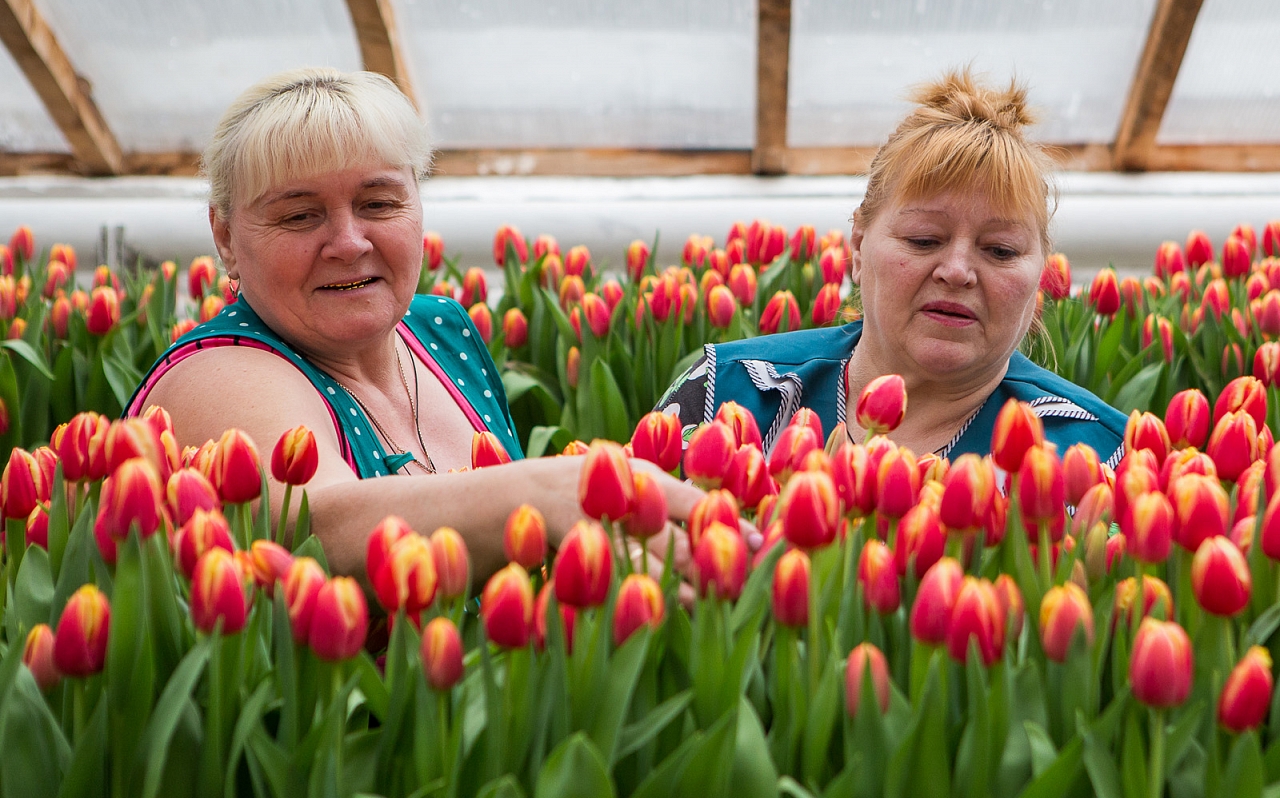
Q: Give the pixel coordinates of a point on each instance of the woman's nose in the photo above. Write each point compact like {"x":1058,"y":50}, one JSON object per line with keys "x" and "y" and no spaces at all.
{"x":347,"y":240}
{"x":956,"y":266}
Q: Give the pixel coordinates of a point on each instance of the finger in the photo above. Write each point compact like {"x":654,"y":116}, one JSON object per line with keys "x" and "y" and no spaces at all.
{"x":686,"y":595}
{"x":751,"y":535}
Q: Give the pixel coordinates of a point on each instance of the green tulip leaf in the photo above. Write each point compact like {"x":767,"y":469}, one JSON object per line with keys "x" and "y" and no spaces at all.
{"x":84,"y":775}
{"x":1101,"y":766}
{"x":624,"y":671}
{"x":1136,"y":393}
{"x":575,"y":769}
{"x":1243,"y":776}
{"x":33,"y":589}
{"x":34,"y":752}
{"x":636,"y":735}
{"x":505,"y":787}
{"x":154,"y":747}
{"x":754,"y":774}
{"x":1043,"y":754}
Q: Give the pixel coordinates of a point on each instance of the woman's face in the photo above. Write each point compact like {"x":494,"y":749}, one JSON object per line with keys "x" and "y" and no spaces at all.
{"x":330,"y":262}
{"x":948,"y":286}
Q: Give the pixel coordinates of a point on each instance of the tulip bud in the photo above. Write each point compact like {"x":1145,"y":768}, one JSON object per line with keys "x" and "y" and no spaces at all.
{"x":301,"y":587}
{"x":882,"y":404}
{"x":931,"y":613}
{"x":340,"y":620}
{"x":854,"y":480}
{"x":720,"y":562}
{"x":879,"y":578}
{"x":1220,"y":577}
{"x":1081,"y":470}
{"x":791,"y":589}
{"x":474,"y":287}
{"x":21,"y":485}
{"x":1234,"y":445}
{"x":80,"y":643}
{"x":37,"y":655}
{"x":721,"y":306}
{"x":742,"y":282}
{"x":1055,"y":280}
{"x":1236,"y":258}
{"x":103,"y":311}
{"x":204,"y":530}
{"x":781,"y":310}
{"x":235,"y":468}
{"x":976,"y":616}
{"x":130,"y":496}
{"x":1246,"y":695}
{"x":295,"y":457}
{"x":1148,"y":528}
{"x":1147,"y":431}
{"x":218,"y":593}
{"x":1242,"y":393}
{"x":809,"y":510}
{"x":1041,"y":489}
{"x":524,"y":539}
{"x":1161,"y":665}
{"x":1064,"y":609}
{"x":639,"y":604}
{"x":606,"y":488}
{"x":407,"y":579}
{"x":637,"y":259}
{"x":441,"y":654}
{"x":650,"y":514}
{"x":657,"y":439}
{"x":1011,"y":605}
{"x":826,"y":306}
{"x":922,"y":539}
{"x":509,"y":236}
{"x":449,"y":552}
{"x":269,"y":563}
{"x":1017,"y":429}
{"x":718,"y":505}
{"x":432,"y":251}
{"x":866,"y":661}
{"x":515,"y":328}
{"x":793,"y":445}
{"x":583,"y":567}
{"x":568,"y":618}
{"x":897,"y":483}
{"x":487,"y":450}
{"x":1104,"y":293}
{"x":572,"y":363}
{"x":709,"y":454}
{"x":506,"y":607}
{"x":1154,"y":591}
{"x":389,"y":531}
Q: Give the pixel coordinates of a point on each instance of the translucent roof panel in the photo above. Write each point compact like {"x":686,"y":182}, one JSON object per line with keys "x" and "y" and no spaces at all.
{"x":24,"y":124}
{"x":584,"y":73}
{"x":1228,"y":90}
{"x":164,"y":72}
{"x":852,"y":64}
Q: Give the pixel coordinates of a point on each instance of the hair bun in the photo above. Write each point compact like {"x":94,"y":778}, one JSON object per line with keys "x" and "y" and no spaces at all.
{"x":958,"y":98}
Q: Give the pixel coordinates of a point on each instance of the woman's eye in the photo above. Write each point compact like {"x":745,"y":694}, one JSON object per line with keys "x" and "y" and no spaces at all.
{"x":1003,"y":253}
{"x":921,"y":243}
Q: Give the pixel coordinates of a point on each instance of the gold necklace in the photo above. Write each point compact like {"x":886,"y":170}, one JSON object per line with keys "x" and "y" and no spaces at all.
{"x":428,"y":467}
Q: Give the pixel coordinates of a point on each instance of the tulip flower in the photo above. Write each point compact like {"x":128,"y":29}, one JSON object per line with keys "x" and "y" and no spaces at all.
{"x":709,"y":454}
{"x":487,"y":450}
{"x":742,"y":282}
{"x":637,"y":260}
{"x":23,"y":243}
{"x":793,"y":445}
{"x":968,"y":491}
{"x":506,"y":607}
{"x":432,"y":251}
{"x":1041,"y":489}
{"x":482,"y":318}
{"x":790,"y":595}
{"x":1187,"y":419}
{"x":721,"y":306}
{"x":922,"y":539}
{"x":103,"y":311}
{"x":639,"y":603}
{"x":130,"y":496}
{"x":515,"y":328}
{"x":568,"y":618}
{"x":1246,"y":695}
{"x":1243,"y":393}
{"x":834,"y":264}
{"x":719,"y":505}
{"x":1055,"y":279}
{"x":202,"y":276}
{"x":606,"y":488}
{"x":449,"y":552}
{"x":295,"y":457}
{"x":1266,"y":363}
{"x":204,"y":530}
{"x":657,"y":439}
{"x":1011,"y":605}
{"x":1236,"y":258}
{"x":583,"y":567}
{"x":524,"y":538}
{"x":879,"y":577}
{"x":1199,"y":250}
{"x":218,"y":593}
{"x":340,"y":620}
{"x":1063,"y":609}
{"x":1104,"y":293}
{"x":935,"y":599}
{"x":1147,"y":431}
{"x":1220,"y":577}
{"x":720,"y":562}
{"x":572,"y":363}
{"x":21,"y":484}
{"x":441,"y":654}
{"x":407,"y":578}
{"x":474,"y":287}
{"x":80,"y":643}
{"x":37,"y":655}
{"x":1161,"y":665}
{"x":269,"y":563}
{"x":882,"y":404}
{"x":976,"y":616}
{"x":1200,"y":506}
{"x":826,"y":305}
{"x":649,"y":517}
{"x":781,"y":314}
{"x":866,"y":661}
{"x":235,"y":468}
{"x":382,"y":539}
{"x":854,"y":480}
{"x":897,"y":483}
{"x":301,"y":587}
{"x":1233,"y":445}
{"x":1017,"y":429}
{"x":809,"y":510}
{"x":572,"y":290}
{"x":1148,"y":526}
{"x":748,"y":477}
{"x":509,"y":236}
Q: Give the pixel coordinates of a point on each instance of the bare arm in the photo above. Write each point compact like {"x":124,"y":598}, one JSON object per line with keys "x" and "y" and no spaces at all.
{"x":264,"y":395}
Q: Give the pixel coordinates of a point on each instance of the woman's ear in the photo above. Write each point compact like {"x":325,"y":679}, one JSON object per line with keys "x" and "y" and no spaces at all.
{"x":855,"y":254}
{"x":222,"y":242}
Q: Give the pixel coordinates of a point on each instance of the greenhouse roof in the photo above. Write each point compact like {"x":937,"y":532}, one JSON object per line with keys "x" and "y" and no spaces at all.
{"x":647,"y":87}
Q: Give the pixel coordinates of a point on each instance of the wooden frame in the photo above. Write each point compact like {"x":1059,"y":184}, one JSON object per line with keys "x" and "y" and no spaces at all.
{"x":773,"y":56}
{"x":1171,"y":27}
{"x":380,"y":46}
{"x":66,"y":96}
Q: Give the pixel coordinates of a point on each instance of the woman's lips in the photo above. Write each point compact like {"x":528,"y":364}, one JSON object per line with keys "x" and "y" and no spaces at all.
{"x":951,"y":314}
{"x":348,"y":286}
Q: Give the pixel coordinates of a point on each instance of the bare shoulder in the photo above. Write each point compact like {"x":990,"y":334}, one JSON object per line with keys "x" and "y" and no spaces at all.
{"x":237,"y":386}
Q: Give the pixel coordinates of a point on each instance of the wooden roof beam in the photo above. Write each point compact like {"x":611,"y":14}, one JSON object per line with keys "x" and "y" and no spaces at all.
{"x":380,"y":45}
{"x":1171,"y":27}
{"x":66,"y":96}
{"x":773,"y":55}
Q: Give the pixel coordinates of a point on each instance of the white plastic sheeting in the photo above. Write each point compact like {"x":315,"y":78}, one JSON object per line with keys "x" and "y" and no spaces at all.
{"x":1102,"y":218}
{"x":853,"y":63}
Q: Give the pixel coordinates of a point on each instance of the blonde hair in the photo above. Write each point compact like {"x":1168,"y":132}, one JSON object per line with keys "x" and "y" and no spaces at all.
{"x":308,"y":121}
{"x":964,"y":135}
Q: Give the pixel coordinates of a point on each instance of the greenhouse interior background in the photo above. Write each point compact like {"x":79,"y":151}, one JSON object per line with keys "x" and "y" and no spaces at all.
{"x":602,"y":122}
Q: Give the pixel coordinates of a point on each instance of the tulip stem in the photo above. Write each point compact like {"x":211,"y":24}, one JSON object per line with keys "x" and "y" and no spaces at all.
{"x":284,"y":514}
{"x":77,"y":710}
{"x":1155,"y":774}
{"x":1045,"y":557}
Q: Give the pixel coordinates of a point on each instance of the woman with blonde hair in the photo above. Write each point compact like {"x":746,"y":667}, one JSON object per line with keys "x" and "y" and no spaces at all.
{"x":315,"y":212}
{"x":947,"y":249}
